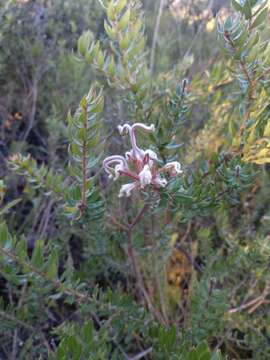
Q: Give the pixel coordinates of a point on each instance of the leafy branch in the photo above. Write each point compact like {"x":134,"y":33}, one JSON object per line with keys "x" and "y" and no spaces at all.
{"x":84,"y":150}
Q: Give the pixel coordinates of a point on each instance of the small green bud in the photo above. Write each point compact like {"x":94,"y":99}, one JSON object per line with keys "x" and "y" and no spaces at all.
{"x":119,"y":6}
{"x":124,"y":21}
{"x":110,"y":31}
{"x":111,"y":11}
{"x":252,"y":54}
{"x":124,"y":43}
{"x":111,"y":67}
{"x":100,"y":59}
{"x":84,"y":42}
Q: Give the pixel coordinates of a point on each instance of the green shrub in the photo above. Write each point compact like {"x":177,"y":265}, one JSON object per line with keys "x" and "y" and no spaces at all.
{"x":173,"y":263}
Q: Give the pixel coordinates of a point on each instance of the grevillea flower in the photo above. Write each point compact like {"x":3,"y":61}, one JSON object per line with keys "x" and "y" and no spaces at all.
{"x":138,"y":164}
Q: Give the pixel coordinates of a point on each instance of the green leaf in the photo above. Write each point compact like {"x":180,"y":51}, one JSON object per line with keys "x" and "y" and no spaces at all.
{"x":124,"y":21}
{"x":216,"y":356}
{"x":21,"y":248}
{"x":84,"y":42}
{"x":75,"y":347}
{"x":124,"y":42}
{"x":253,"y":40}
{"x":100,"y":58}
{"x":237,"y":6}
{"x":247,"y":10}
{"x":109,"y":30}
{"x":9,"y":206}
{"x":111,"y":11}
{"x":260,"y":18}
{"x":87,"y":333}
{"x":203,"y":352}
{"x":37,"y":257}
{"x":252,"y":55}
{"x":52,"y":265}
{"x":4,"y":235}
{"x":119,"y":6}
{"x":242,"y":38}
{"x":111,"y":67}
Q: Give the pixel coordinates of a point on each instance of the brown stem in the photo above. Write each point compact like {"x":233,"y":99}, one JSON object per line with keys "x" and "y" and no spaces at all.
{"x":138,"y":217}
{"x":131,"y":252}
{"x":253,"y":304}
{"x":136,"y":267}
{"x":139,"y":279}
{"x":162,"y":300}
{"x":245,"y":306}
{"x":118,"y":224}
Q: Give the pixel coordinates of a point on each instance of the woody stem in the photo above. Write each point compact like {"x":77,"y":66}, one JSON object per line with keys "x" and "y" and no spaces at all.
{"x":137,"y":270}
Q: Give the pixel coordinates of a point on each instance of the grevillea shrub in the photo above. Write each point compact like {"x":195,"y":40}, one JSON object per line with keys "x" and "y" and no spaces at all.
{"x":138,"y":227}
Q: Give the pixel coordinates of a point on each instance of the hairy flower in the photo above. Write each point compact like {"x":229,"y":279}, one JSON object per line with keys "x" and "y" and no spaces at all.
{"x":142,"y":162}
{"x":173,"y":168}
{"x":145,"y":176}
{"x":136,"y":154}
{"x":120,"y":167}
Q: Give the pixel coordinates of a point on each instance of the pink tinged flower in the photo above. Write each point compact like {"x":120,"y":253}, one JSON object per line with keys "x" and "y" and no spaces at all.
{"x":143,"y":162}
{"x":173,"y":168}
{"x":145,"y":176}
{"x":158,"y":181}
{"x":136,"y":153}
{"x":149,"y":157}
{"x":120,"y":167}
{"x":152,"y":155}
{"x":126,"y":189}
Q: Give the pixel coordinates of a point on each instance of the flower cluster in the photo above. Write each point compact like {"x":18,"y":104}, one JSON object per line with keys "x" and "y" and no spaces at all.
{"x":138,"y":164}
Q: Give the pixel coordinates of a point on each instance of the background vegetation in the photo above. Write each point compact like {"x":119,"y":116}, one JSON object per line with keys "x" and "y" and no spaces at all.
{"x":178,"y":272}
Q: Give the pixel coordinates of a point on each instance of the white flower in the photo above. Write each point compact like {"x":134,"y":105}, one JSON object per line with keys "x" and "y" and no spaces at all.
{"x":122,"y":166}
{"x":174,"y":168}
{"x":144,"y":170}
{"x":150,"y":156}
{"x":126,"y":189}
{"x":136,"y":153}
{"x":145,"y":176}
{"x":159,"y":181}
{"x":124,"y":129}
{"x":117,"y":171}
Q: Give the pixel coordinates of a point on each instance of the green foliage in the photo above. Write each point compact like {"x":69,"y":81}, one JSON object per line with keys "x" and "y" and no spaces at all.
{"x":125,"y":67}
{"x":244,"y":37}
{"x":200,"y":352}
{"x":176,"y":271}
{"x":84,"y":136}
{"x":38,"y":177}
{"x":208,"y":307}
{"x":79,"y":342}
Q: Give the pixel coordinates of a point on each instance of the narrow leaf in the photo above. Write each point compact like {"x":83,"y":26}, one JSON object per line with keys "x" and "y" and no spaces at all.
{"x":260,"y":18}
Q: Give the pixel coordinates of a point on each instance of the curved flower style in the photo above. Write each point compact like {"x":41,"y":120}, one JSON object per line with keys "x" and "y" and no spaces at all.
{"x":136,"y":154}
{"x":173,"y":168}
{"x":144,"y":170}
{"x":120,"y":168}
